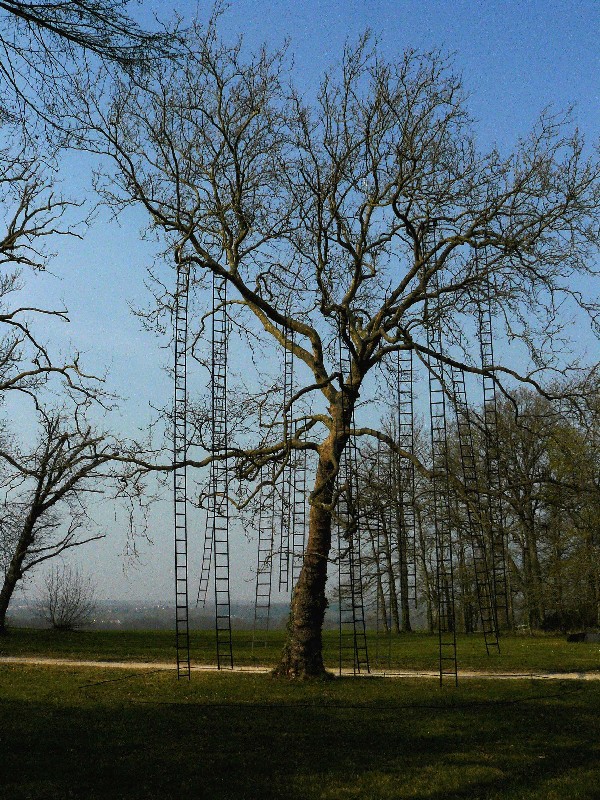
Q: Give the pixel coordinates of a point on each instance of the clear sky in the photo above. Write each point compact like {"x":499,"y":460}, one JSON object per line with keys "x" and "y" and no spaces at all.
{"x":515,"y":59}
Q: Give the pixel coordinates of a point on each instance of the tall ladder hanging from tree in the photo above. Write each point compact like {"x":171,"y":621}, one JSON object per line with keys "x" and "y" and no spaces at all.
{"x":441,"y":496}
{"x":407,"y":546}
{"x":264,"y":566}
{"x":216,"y":539}
{"x":493,"y":477}
{"x":352,"y":628}
{"x":219,"y":509}
{"x":474,"y":510}
{"x":286,"y":483}
{"x":180,"y":447}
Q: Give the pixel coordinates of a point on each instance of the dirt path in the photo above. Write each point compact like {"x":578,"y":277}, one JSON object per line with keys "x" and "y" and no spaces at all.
{"x":155,"y":666}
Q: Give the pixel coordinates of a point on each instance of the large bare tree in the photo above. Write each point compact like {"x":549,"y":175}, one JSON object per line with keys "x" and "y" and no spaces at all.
{"x":357,"y":218}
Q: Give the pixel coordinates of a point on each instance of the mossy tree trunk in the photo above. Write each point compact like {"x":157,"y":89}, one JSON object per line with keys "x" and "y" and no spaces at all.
{"x":303,"y":651}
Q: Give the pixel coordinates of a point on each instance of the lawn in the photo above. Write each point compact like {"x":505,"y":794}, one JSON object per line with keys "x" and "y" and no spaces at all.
{"x":88,"y":734}
{"x":408,"y":651}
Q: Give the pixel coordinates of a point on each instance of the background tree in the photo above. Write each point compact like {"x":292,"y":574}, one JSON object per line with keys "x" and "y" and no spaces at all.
{"x":390,"y":548}
{"x":45,"y":494}
{"x":45,"y":483}
{"x":377,"y":527}
{"x":68,"y":599}
{"x":356,"y":219}
{"x":550,"y":460}
{"x":550,"y":497}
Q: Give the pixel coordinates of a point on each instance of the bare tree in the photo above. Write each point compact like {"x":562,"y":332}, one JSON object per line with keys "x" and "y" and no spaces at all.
{"x":44,"y":486}
{"x":32,"y":214}
{"x":68,"y":599}
{"x":45,"y":494}
{"x":101,"y":26}
{"x":43,"y":44}
{"x":355,"y":220}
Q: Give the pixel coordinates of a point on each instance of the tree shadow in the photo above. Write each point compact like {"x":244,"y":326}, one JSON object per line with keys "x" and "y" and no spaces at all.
{"x":264,"y":750}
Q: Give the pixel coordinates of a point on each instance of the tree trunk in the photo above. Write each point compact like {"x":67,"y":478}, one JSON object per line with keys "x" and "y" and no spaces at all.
{"x":404,"y":586}
{"x":10,"y":581}
{"x":14,"y":573}
{"x":303,"y":651}
{"x":511,"y":571}
{"x":381,"y":605}
{"x":466,"y":592}
{"x":390,"y":575}
{"x":402,"y":564}
{"x":426,"y":577}
{"x":538,"y":611}
{"x":527,"y":587}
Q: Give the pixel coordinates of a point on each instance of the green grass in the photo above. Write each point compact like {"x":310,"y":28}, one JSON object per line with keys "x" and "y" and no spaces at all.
{"x":409,"y":651}
{"x":88,"y":734}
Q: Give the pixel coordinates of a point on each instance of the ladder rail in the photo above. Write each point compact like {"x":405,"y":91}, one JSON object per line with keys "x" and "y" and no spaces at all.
{"x":180,"y":447}
{"x":287,"y":473}
{"x":473,"y":507}
{"x":219,"y":475}
{"x":494,"y":509}
{"x":437,"y":379}
{"x":264,"y":567}
{"x":299,"y":514}
{"x":352,"y":626}
{"x":385,"y":578}
{"x":406,"y":470}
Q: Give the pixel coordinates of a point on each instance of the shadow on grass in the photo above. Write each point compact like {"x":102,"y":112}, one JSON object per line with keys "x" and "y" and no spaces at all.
{"x":418,"y":744}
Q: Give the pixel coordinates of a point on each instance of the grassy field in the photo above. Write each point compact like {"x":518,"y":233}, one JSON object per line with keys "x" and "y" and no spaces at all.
{"x":410,"y":651}
{"x":87,"y":734}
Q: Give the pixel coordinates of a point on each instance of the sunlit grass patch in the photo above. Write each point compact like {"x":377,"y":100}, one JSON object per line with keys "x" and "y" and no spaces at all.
{"x":528,"y":654}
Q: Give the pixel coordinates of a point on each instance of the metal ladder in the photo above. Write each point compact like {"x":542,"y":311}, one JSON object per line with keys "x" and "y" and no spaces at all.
{"x":383,"y":524}
{"x":406,"y":468}
{"x":473,"y":507}
{"x":180,"y":446}
{"x":495,"y":514}
{"x":352,"y":629}
{"x":264,"y":568}
{"x":299,"y":515}
{"x":287,"y":476}
{"x":216,"y":536}
{"x":448,"y":666}
{"x":206,"y":559}
{"x":219,"y":474}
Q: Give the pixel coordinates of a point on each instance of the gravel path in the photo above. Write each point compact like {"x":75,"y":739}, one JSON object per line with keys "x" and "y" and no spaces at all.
{"x":168,"y":666}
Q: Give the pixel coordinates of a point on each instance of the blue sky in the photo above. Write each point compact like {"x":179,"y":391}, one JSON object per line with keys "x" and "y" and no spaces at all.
{"x":515,"y":59}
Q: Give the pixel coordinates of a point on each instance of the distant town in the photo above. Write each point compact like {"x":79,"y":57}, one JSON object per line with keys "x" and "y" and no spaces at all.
{"x":111,"y":615}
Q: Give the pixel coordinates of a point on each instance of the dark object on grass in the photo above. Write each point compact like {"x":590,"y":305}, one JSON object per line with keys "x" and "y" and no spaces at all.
{"x":583,"y":636}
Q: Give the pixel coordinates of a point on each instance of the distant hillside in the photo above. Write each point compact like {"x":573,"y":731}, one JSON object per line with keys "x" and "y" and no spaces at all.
{"x":114,"y":615}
